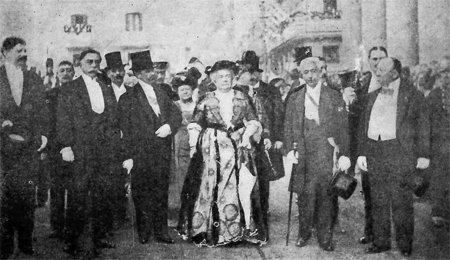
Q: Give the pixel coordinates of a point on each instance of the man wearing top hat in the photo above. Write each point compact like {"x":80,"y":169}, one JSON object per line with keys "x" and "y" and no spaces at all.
{"x":300,"y":53}
{"x":160,"y":68}
{"x":87,"y":127}
{"x":317,"y":121}
{"x":148,"y":118}
{"x":116,"y":73}
{"x":273,"y":106}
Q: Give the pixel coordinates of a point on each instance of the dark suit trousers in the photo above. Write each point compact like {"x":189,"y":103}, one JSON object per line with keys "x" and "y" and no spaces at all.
{"x":316,"y":203}
{"x":60,"y":177}
{"x":150,"y":189}
{"x":17,"y":209}
{"x":388,"y":165}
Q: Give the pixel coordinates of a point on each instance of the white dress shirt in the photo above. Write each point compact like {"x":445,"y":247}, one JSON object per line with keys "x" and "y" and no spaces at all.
{"x":383,"y":118}
{"x":15,"y":78}
{"x":95,"y":94}
{"x":118,"y":90}
{"x":151,"y":97}
{"x":373,"y":85}
{"x":311,"y":109}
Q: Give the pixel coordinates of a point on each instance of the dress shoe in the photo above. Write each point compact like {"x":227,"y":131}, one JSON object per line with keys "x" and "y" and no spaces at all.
{"x":165,"y":239}
{"x":143,"y":241}
{"x":377,"y":249}
{"x":72,"y":249}
{"x":406,"y":252}
{"x":105,"y":244}
{"x":365,"y":240}
{"x":301,"y":242}
{"x":328,"y":248}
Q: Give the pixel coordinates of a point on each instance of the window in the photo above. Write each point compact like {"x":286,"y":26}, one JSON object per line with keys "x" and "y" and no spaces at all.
{"x":79,"y":19}
{"x":331,"y":54}
{"x":133,"y":22}
{"x":330,"y":9}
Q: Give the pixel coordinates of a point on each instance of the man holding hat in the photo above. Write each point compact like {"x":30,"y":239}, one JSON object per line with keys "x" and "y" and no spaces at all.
{"x":273,"y":106}
{"x":148,"y":118}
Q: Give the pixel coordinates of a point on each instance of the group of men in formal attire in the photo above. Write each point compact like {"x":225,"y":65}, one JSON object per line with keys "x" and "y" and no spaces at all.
{"x":100,"y":134}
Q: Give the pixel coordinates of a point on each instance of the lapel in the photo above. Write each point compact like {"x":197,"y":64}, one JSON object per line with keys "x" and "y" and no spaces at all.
{"x":324,"y":104}
{"x":5,"y":89}
{"x":160,"y":94}
{"x":402,"y":102}
{"x":300,"y":107}
{"x":370,"y":101}
{"x":142,"y":99}
{"x":83,"y":94}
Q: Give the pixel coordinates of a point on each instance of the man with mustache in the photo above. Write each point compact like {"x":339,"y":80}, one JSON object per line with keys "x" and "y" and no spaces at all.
{"x":23,"y":117}
{"x":59,"y":172}
{"x":116,"y":72}
{"x":87,"y":128}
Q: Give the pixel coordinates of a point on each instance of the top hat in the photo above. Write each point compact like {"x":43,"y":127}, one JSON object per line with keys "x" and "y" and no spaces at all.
{"x":141,"y":61}
{"x":301,"y":53}
{"x":160,"y":65}
{"x":250,"y":61}
{"x":113,"y":60}
{"x":49,"y":63}
{"x":348,"y":78}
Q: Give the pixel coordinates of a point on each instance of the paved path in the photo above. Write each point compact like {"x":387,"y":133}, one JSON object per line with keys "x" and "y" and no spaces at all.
{"x":429,"y":242}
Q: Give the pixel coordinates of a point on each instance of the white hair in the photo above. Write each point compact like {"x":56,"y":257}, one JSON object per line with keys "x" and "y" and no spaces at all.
{"x":314,"y":60}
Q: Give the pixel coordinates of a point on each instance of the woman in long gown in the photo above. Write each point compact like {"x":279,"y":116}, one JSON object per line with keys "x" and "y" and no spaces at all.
{"x":216,"y":197}
{"x":184,"y":84}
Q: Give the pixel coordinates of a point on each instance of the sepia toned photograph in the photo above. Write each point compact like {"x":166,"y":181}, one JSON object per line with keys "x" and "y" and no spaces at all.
{"x":225,"y":129}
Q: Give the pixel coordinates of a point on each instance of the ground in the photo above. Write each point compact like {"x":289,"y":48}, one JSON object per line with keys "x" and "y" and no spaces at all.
{"x":429,"y":242}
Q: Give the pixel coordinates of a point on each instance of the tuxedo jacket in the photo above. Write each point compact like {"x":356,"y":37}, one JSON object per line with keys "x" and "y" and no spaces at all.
{"x":30,"y":119}
{"x":273,"y":105}
{"x":412,"y":123}
{"x":333,"y":118}
{"x":75,"y":127}
{"x":139,"y":123}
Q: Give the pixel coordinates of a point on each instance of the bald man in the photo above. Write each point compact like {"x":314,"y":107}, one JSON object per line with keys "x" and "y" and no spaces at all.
{"x":394,"y":141}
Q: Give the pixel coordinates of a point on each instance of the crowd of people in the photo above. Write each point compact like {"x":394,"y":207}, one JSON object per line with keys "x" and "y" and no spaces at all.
{"x":120,"y":146}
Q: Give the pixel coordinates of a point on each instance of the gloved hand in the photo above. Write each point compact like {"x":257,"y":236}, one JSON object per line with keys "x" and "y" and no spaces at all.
{"x":362,"y":163}
{"x":344,"y":163}
{"x":423,"y":163}
{"x":267,"y":143}
{"x":349,"y":95}
{"x":67,"y":154}
{"x":278,"y":145}
{"x":163,"y":131}
{"x":7,"y":123}
{"x":44,"y":141}
{"x":128,"y":164}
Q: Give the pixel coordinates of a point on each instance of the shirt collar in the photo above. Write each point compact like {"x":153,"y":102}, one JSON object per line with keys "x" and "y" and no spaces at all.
{"x":143,"y":84}
{"x":118,"y":87}
{"x":395,"y":84}
{"x":11,"y":67}
{"x":315,"y":90}
{"x":88,"y":79}
{"x":256,"y":85}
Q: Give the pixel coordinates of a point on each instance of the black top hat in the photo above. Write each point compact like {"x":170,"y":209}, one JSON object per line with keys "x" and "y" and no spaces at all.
{"x":348,"y":78}
{"x":250,"y":61}
{"x":141,"y":61}
{"x":49,"y":63}
{"x":301,"y":53}
{"x":113,"y":60}
{"x":160,"y":65}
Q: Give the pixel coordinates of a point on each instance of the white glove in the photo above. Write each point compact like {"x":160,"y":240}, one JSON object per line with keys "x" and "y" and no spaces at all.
{"x":278,"y":145}
{"x":7,"y":123}
{"x":362,"y":163}
{"x":293,"y":156}
{"x":128,"y":164}
{"x":267,"y":143}
{"x":245,"y":142}
{"x":349,"y":95}
{"x":423,"y":163}
{"x":44,"y":143}
{"x":67,"y":154}
{"x":344,"y":163}
{"x":16,"y":137}
{"x":163,"y":131}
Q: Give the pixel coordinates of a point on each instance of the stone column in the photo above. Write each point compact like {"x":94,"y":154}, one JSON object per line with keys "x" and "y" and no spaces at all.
{"x":373,"y":24}
{"x":351,"y":32}
{"x":403,"y":31}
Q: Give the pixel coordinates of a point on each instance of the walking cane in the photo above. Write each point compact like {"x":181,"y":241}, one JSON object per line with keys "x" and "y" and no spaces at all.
{"x":294,"y":169}
{"x":132,"y":208}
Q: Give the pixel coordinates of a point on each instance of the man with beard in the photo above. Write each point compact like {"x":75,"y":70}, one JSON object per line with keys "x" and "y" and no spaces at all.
{"x":88,"y":129}
{"x":59,"y":171}
{"x":273,"y":106}
{"x":23,"y":117}
{"x":356,"y":100}
{"x":148,"y":118}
